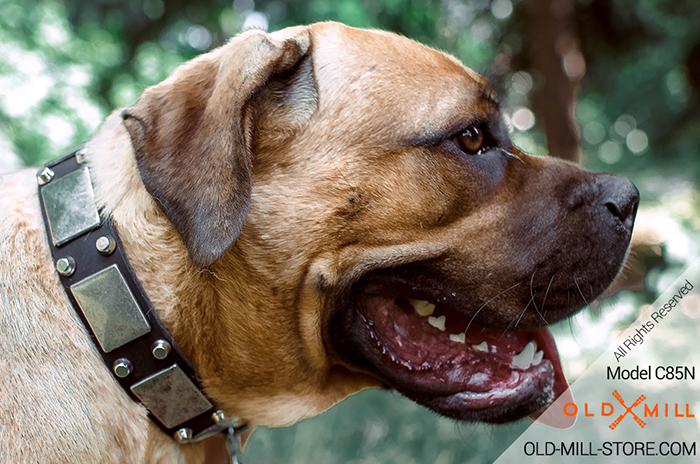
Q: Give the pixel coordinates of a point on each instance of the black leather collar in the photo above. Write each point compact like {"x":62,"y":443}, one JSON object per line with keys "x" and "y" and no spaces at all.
{"x":108,"y":298}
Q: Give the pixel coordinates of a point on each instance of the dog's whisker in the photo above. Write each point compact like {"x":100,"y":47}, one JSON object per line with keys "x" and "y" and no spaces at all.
{"x":511,"y":323}
{"x":522,"y":313}
{"x":544,"y":300}
{"x":489,"y":301}
{"x":534,"y":302}
{"x":343,"y":176}
{"x":580,"y":292}
{"x":571,"y":328}
{"x":363,"y":224}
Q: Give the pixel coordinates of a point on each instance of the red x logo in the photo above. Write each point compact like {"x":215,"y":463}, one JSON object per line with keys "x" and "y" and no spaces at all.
{"x":639,"y":401}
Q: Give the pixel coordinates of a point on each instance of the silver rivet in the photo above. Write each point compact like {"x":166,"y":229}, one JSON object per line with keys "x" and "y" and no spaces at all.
{"x":122,"y":367}
{"x":183,"y":435}
{"x":106,"y":245}
{"x":218,"y":416}
{"x":80,"y":156}
{"x":45,"y":176}
{"x":160,"y":349}
{"x":66,"y":266}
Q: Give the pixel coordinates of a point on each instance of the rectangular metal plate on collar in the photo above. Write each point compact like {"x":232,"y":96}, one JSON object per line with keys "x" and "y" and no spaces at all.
{"x":171,"y":396}
{"x":110,"y":308}
{"x":70,"y":206}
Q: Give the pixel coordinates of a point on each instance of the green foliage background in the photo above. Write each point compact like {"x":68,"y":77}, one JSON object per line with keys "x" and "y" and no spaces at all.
{"x":65,"y":65}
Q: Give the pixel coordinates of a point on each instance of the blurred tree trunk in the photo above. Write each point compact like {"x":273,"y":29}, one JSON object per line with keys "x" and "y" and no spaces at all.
{"x":559,"y":61}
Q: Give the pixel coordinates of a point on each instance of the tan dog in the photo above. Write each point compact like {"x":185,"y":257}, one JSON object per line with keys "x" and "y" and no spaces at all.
{"x":312,"y":212}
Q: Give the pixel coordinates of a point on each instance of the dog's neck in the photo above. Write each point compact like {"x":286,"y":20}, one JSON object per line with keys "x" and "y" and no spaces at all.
{"x":180,"y":293}
{"x":217,"y":315}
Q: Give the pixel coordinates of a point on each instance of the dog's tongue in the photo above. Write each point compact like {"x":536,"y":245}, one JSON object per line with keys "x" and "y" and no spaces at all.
{"x":431,"y":347}
{"x":553,"y":415}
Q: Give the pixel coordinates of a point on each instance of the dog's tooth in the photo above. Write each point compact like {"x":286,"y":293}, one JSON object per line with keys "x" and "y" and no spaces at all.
{"x":493,"y":349}
{"x":459,"y":338}
{"x":537,"y":359}
{"x":483,"y":346}
{"x":437,"y":322}
{"x":524,"y":358}
{"x":422,"y":307}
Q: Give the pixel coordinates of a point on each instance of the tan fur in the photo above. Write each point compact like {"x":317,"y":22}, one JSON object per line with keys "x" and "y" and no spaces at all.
{"x":255,"y":322}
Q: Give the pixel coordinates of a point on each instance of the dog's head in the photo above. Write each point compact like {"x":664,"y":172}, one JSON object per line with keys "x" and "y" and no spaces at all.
{"x":370,"y":223}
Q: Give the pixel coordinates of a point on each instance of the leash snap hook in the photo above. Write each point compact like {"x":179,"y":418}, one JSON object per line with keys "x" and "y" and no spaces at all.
{"x":228,"y":427}
{"x":233,"y":444}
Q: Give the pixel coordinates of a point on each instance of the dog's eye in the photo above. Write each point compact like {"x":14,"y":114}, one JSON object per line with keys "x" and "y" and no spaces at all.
{"x":471,"y":141}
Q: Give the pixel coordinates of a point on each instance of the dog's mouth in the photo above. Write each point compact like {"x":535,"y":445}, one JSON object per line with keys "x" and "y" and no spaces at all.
{"x":441,"y":358}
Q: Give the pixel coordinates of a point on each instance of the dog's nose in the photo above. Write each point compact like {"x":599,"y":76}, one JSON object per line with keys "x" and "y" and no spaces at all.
{"x":620,"y":197}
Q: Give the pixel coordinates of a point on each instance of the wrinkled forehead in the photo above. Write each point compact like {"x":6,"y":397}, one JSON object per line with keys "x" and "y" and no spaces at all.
{"x":414,"y":88}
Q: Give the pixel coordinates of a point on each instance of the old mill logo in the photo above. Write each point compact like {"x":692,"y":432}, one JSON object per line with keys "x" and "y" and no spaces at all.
{"x":639,"y":401}
{"x":658,"y":410}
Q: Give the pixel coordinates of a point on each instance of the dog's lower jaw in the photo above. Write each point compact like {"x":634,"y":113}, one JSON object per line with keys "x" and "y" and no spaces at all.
{"x":305,"y":382}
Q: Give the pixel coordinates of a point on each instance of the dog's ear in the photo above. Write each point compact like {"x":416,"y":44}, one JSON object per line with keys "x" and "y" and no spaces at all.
{"x":191,"y":135}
